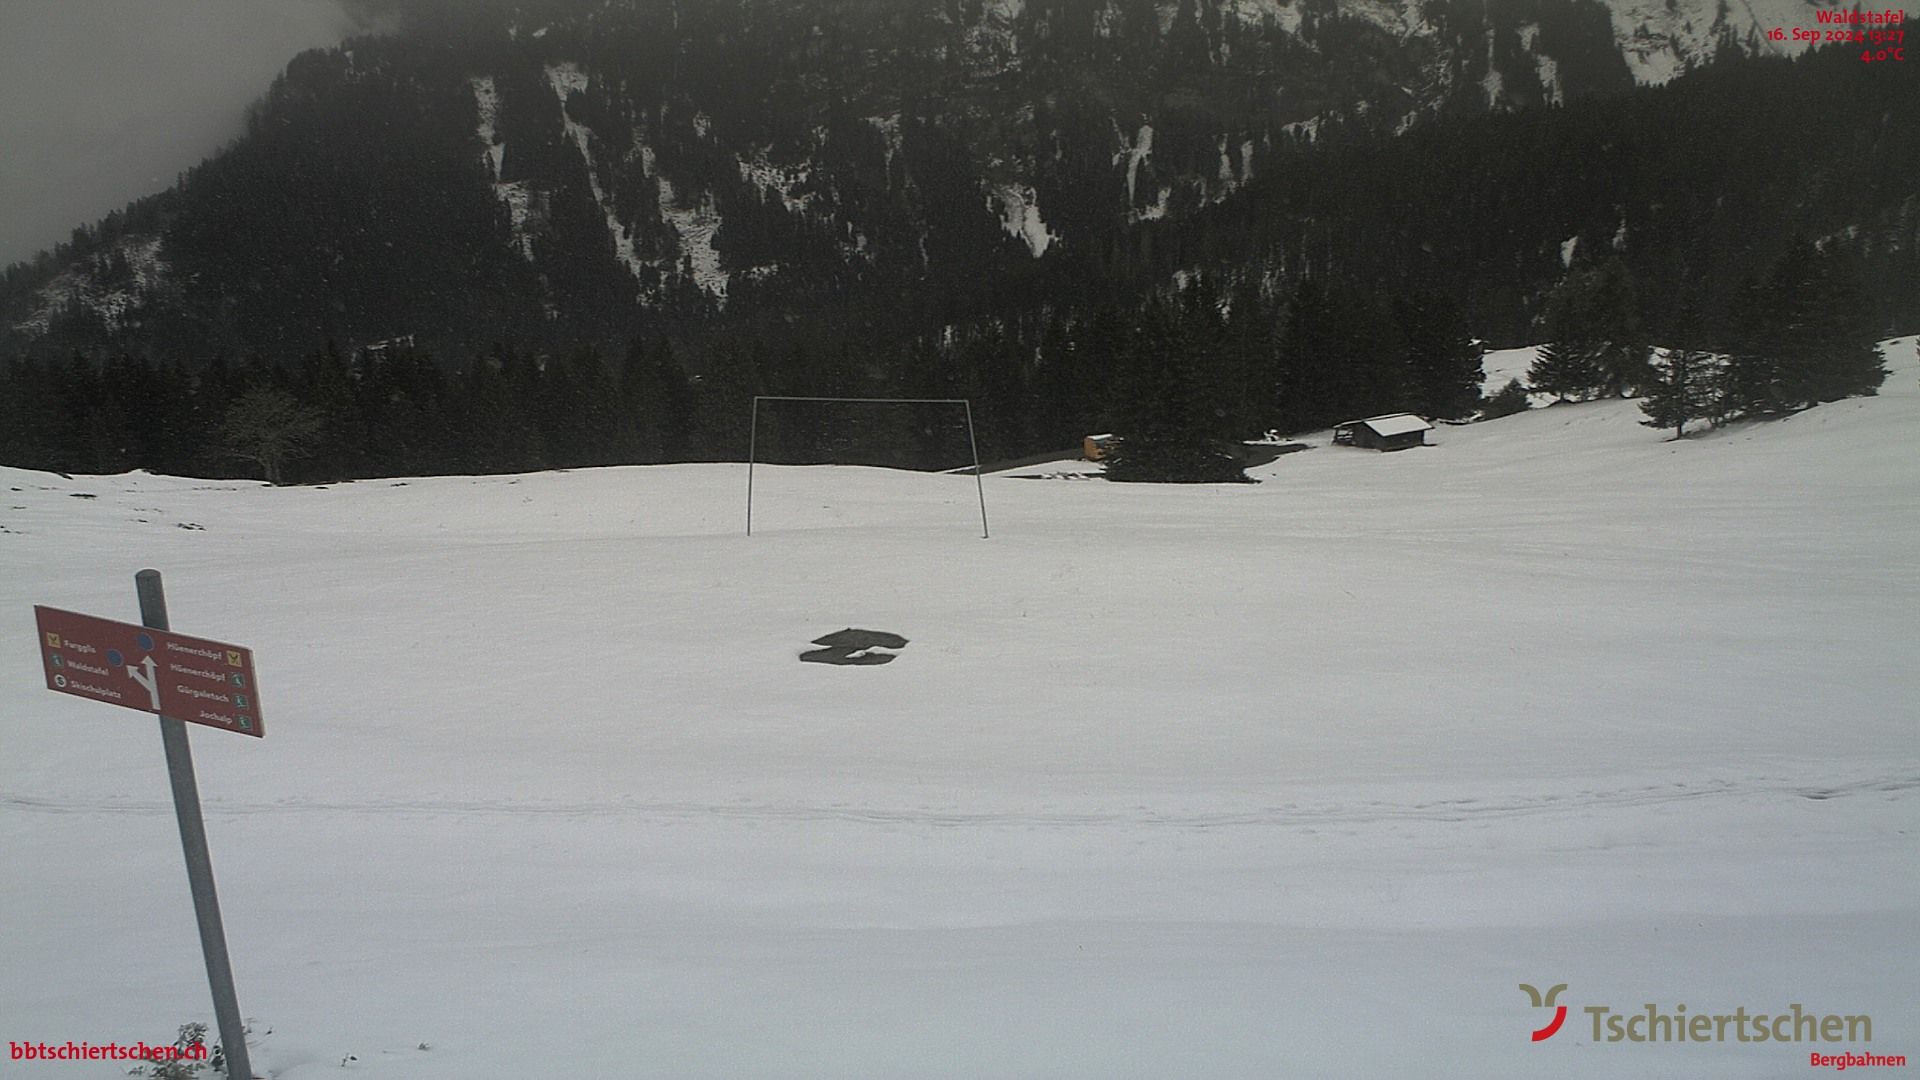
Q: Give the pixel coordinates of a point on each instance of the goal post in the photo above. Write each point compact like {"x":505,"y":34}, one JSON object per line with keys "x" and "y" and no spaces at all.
{"x":966,"y":404}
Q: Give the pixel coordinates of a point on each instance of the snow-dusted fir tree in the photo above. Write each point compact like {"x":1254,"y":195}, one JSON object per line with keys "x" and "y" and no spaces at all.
{"x":1684,"y":387}
{"x":1566,"y":371}
{"x":1688,"y":383}
{"x":1509,"y":399}
{"x":1802,"y":336}
{"x":1593,"y":323}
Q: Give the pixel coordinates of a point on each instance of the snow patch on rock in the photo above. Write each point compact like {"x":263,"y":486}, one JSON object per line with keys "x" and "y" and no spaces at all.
{"x":889,"y":128}
{"x":1548,"y":70}
{"x":696,"y":224}
{"x":486,"y":98}
{"x":1133,"y":152}
{"x":80,"y":286}
{"x":1019,"y":208}
{"x":521,"y":202}
{"x":1494,"y":85}
{"x":567,"y":78}
{"x":780,"y":180}
{"x":518,"y":197}
{"x":1284,"y":14}
{"x":1159,"y":208}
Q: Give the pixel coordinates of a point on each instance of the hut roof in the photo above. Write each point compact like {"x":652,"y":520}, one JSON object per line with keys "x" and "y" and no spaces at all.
{"x":1396,"y":424}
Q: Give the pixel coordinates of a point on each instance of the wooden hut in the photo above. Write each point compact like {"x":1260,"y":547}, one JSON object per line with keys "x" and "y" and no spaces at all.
{"x":1394,"y":431}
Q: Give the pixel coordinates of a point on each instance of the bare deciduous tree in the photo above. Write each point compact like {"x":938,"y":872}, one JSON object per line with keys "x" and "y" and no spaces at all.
{"x":270,"y":427}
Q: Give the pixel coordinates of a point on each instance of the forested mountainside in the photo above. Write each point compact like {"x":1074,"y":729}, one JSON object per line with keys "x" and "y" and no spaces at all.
{"x":649,"y":167}
{"x":894,"y":195}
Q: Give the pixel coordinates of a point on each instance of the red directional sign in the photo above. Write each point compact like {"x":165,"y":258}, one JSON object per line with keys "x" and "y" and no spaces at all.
{"x":155,"y":671}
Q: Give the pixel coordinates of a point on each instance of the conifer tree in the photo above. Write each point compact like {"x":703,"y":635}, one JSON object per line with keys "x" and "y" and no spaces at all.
{"x":1685,"y":387}
{"x":1443,"y":361}
{"x":1247,"y":360}
{"x":1166,"y":428}
{"x":1564,"y":370}
{"x":1060,"y":383}
{"x":1621,"y":350}
{"x":1339,"y":356}
{"x":1509,"y":399}
{"x":657,"y":406}
{"x":1816,"y":324}
{"x":1593,"y":321}
{"x":1801,"y":337}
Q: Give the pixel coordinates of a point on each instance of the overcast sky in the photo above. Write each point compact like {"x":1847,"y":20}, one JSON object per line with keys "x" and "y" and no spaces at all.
{"x":102,"y":101}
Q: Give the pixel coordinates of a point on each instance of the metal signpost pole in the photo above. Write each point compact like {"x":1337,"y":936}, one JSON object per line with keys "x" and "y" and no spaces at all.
{"x":193,"y":840}
{"x":753,"y":439}
{"x":978,"y":485}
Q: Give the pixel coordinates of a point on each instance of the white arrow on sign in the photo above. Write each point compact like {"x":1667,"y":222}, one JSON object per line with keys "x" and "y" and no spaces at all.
{"x":151,"y":684}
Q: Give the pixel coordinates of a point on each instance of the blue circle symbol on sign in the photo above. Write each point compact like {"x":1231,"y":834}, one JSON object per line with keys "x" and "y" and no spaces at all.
{"x":114,"y":659}
{"x":145,"y":641}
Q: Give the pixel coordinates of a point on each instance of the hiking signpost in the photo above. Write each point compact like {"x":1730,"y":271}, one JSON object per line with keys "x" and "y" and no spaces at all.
{"x":149,"y":669}
{"x":184,"y":680}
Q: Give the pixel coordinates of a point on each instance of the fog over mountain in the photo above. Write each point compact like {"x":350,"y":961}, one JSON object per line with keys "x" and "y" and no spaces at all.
{"x":103,"y":101}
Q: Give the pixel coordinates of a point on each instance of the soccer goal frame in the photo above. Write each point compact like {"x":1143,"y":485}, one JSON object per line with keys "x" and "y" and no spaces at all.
{"x":973,"y":444}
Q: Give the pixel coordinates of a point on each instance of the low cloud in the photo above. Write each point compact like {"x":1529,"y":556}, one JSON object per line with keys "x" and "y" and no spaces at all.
{"x":458,"y":18}
{"x":104,"y":101}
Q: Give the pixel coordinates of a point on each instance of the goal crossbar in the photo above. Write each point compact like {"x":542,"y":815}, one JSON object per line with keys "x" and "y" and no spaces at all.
{"x":753,"y":439}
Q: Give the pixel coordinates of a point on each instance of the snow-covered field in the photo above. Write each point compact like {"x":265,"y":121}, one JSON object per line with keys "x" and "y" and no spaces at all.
{"x":1302,"y":778}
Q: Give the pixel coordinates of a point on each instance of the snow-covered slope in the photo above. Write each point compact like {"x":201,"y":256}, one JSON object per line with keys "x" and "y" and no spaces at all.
{"x":1299,"y":778}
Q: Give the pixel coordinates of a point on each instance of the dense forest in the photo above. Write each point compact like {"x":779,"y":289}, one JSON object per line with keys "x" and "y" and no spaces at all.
{"x":1181,"y":378}
{"x":1037,"y":383}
